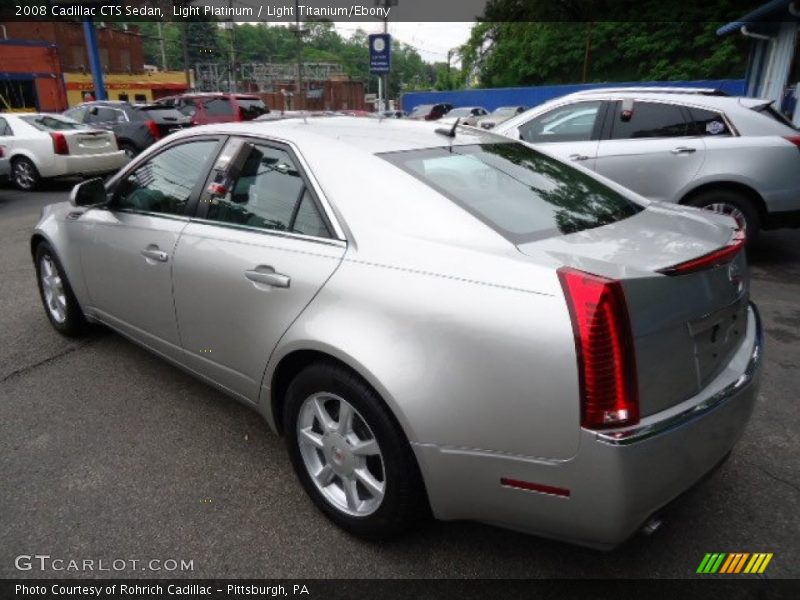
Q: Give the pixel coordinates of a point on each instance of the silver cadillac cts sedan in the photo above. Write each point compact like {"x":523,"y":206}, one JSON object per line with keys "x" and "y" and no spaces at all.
{"x":438,"y":321}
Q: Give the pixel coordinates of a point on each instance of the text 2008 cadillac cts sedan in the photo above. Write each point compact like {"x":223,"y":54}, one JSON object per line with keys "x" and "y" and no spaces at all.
{"x":438,"y":320}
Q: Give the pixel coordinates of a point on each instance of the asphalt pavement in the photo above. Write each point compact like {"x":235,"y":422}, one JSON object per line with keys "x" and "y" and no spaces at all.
{"x":108,"y":453}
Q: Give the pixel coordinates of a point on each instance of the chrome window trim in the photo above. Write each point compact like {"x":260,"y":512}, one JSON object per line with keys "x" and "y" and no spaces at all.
{"x":328,"y":241}
{"x":633,"y":435}
{"x":146,"y":213}
{"x":327,"y":207}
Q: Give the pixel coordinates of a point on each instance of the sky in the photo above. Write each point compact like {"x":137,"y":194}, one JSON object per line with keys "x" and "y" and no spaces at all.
{"x":432,"y":40}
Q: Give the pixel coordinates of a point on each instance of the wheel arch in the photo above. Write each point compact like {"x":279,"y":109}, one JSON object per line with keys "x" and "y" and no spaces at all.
{"x":733,"y":186}
{"x":24,"y":153}
{"x":299,"y":357}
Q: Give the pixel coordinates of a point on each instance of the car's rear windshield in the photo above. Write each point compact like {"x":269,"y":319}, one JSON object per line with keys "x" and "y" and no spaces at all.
{"x":768,"y":111}
{"x":519,"y":192}
{"x":252,"y":107}
{"x":422,"y":110}
{"x":52,"y":123}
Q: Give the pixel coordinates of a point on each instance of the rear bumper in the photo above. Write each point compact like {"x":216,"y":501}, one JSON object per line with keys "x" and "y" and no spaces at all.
{"x":617,"y":480}
{"x":87,"y":164}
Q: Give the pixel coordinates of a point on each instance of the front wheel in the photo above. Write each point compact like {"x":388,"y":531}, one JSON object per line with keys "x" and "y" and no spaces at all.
{"x":59,"y":301}
{"x":350,"y":455}
{"x":735,"y":205}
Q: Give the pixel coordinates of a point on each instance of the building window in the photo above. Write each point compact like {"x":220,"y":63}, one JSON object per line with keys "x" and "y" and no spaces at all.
{"x":140,"y":98}
{"x":123,"y":97}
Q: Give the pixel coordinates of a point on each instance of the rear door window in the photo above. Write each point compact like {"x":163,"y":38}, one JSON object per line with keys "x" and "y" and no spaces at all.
{"x":218,"y":107}
{"x":102,"y":114}
{"x":649,"y":120}
{"x":572,"y":123}
{"x":252,"y":107}
{"x":519,"y":192}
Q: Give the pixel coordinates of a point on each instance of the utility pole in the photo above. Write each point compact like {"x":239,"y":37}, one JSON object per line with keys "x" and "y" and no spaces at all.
{"x":298,"y":89}
{"x":186,"y":70}
{"x":94,"y":59}
{"x":587,"y":57}
{"x":163,"y":48}
{"x":232,"y":39}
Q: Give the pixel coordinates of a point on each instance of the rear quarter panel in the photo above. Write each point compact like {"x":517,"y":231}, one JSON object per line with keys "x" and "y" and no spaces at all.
{"x":461,"y":363}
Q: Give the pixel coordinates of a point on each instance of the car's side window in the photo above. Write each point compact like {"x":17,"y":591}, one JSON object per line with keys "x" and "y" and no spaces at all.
{"x":102,"y":114}
{"x":76,"y":114}
{"x":650,"y":120}
{"x":572,"y":123}
{"x":269,"y":193}
{"x":707,"y":122}
{"x":219,"y":107}
{"x":5,"y":128}
{"x":164,"y":183}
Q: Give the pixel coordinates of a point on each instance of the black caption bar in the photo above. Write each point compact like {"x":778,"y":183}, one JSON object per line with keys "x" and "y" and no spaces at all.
{"x":372,"y":10}
{"x":391,"y":589}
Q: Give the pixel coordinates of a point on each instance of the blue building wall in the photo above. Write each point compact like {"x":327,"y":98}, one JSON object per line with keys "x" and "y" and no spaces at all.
{"x":531,"y":96}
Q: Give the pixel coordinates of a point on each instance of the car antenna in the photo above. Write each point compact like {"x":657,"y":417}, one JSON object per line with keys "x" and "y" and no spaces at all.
{"x":449,"y":132}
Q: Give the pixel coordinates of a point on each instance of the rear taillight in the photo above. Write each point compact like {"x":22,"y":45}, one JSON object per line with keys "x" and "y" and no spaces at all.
{"x":795,"y":139}
{"x":151,"y":125}
{"x":604,"y":346}
{"x":60,"y":145}
{"x":723,"y":256}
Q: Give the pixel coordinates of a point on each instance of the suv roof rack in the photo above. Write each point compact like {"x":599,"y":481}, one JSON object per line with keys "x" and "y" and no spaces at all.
{"x":654,"y":90}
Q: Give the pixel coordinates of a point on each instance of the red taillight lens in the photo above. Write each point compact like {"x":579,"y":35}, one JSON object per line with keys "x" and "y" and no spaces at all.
{"x":795,"y":139}
{"x":604,"y":345}
{"x":151,"y":125}
{"x":719,"y":257}
{"x":60,"y":145}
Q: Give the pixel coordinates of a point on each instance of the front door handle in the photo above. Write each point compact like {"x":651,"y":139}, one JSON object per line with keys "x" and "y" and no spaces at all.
{"x":683,"y":150}
{"x":153,"y":253}
{"x":268,"y":276}
{"x":578,"y":157}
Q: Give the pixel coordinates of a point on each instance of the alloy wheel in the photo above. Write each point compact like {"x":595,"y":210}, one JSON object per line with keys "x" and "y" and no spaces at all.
{"x":24,"y":174}
{"x":341,"y":454}
{"x":53,"y":289}
{"x":723,"y":208}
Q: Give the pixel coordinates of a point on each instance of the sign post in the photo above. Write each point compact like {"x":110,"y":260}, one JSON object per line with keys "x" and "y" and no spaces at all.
{"x":380,"y":59}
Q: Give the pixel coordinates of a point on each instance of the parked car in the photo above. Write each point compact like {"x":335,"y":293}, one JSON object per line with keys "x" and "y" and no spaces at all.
{"x":393,"y":114}
{"x":466,"y":115}
{"x":498,"y":115}
{"x":136,"y":127}
{"x":430,"y":112}
{"x":494,"y":347}
{"x":42,"y":146}
{"x":736,"y":156}
{"x":203,"y":108}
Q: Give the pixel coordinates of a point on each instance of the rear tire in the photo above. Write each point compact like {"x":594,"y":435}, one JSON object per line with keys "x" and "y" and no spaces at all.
{"x":60,"y":304}
{"x":732,"y":204}
{"x":129,"y":150}
{"x":24,"y":174}
{"x":358,"y":469}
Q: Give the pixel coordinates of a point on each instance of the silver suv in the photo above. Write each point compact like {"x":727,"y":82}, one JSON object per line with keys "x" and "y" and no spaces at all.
{"x":733,"y":155}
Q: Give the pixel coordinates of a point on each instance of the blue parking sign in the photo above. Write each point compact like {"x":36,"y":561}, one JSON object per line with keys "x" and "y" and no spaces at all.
{"x":380,"y":53}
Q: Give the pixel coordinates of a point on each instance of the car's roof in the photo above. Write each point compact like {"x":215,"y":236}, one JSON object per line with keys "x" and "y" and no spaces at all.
{"x":719,"y":102}
{"x":368,"y":135}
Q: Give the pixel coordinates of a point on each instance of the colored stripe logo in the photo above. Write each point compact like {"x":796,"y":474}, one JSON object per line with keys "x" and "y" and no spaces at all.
{"x":734,"y":562}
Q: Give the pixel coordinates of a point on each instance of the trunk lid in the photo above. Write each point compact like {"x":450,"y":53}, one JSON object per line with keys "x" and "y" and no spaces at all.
{"x":90,"y":141}
{"x":685,"y":327}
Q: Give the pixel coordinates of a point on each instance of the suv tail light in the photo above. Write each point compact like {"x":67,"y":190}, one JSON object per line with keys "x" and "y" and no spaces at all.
{"x":795,"y":139}
{"x":60,"y":145}
{"x":154,"y":131}
{"x":604,"y":345}
{"x":722,"y":256}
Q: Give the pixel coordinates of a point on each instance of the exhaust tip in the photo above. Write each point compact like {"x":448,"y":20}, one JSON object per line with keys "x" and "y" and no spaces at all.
{"x":652,"y":526}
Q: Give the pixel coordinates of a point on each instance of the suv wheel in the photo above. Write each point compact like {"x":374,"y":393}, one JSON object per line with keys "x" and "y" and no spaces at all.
{"x":732,"y":204}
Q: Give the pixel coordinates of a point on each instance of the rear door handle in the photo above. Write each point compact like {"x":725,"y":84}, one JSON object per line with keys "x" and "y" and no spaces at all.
{"x":155,"y":254}
{"x":578,"y":157}
{"x":683,"y":150}
{"x":268,"y":276}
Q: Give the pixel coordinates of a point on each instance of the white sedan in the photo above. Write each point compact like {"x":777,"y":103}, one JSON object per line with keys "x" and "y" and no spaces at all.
{"x":36,"y":146}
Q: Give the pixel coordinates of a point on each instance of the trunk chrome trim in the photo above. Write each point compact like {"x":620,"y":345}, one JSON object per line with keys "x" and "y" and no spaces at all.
{"x":633,"y":435}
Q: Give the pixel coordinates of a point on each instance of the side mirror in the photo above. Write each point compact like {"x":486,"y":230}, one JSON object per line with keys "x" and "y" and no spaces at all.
{"x":88,"y":193}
